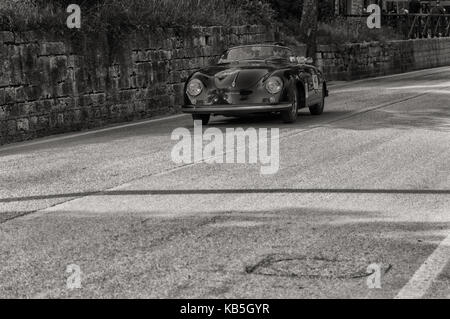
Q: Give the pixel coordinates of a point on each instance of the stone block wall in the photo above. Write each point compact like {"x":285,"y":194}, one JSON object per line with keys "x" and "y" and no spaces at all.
{"x":355,"y":61}
{"x":53,"y":84}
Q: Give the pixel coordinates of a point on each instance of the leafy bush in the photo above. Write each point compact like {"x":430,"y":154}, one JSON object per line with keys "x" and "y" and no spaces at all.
{"x":98,"y":15}
{"x":289,"y":14}
{"x":15,"y":14}
{"x":288,"y":10}
{"x":340,"y":30}
{"x":119,"y":15}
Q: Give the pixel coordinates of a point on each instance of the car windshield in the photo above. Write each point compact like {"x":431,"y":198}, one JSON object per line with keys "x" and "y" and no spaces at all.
{"x":260,"y":52}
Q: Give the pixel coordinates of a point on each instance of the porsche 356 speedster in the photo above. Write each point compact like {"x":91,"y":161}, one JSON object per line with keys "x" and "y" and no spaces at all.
{"x":254,"y":79}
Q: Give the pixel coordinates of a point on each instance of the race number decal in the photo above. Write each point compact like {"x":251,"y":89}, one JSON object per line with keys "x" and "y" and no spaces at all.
{"x":315,"y":82}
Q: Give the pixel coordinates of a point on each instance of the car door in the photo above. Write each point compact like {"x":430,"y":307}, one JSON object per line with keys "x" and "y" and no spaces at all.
{"x":311,"y":79}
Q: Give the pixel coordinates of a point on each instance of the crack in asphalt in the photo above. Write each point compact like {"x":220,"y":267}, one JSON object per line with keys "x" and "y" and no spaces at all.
{"x":13,"y":215}
{"x":185,"y":231}
{"x":269,"y":262}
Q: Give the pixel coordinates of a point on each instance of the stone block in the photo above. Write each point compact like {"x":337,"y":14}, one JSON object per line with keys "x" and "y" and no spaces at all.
{"x":23,"y":125}
{"x":52,"y":48}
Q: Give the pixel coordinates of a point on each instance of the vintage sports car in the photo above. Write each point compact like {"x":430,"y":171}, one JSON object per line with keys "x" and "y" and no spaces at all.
{"x":256,"y":79}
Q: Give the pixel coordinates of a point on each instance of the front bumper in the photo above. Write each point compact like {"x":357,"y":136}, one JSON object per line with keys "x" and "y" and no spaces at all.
{"x":234,"y":109}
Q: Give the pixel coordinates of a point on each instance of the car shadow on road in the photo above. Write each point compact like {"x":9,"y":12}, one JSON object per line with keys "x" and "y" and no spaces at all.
{"x":304,"y":121}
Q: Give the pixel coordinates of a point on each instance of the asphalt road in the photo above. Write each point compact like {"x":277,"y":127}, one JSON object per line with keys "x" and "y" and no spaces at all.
{"x":367,"y":183}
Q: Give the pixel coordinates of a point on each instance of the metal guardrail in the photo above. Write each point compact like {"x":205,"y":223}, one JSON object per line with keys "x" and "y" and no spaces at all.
{"x":414,"y":26}
{"x":431,"y":25}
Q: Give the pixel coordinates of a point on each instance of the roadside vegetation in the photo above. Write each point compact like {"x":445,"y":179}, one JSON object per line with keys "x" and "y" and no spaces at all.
{"x":340,"y":30}
{"x":331,"y":29}
{"x":113,"y":15}
{"x":116,"y":16}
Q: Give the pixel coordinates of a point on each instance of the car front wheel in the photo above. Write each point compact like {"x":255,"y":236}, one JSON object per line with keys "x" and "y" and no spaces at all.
{"x":318,"y":108}
{"x":290,"y":116}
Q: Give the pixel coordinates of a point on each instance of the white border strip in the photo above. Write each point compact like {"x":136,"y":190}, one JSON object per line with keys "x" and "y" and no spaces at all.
{"x":406,"y":75}
{"x":90,"y":132}
{"x":422,"y":280}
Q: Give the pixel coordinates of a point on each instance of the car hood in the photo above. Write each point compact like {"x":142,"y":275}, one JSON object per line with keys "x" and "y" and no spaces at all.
{"x":235,"y":76}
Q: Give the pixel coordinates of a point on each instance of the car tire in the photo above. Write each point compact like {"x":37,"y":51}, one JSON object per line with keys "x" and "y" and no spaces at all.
{"x":318,"y":108}
{"x":202,"y":117}
{"x":290,"y":116}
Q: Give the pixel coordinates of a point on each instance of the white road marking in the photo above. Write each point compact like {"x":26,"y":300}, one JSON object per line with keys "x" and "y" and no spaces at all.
{"x":422,"y":280}
{"x":90,"y":132}
{"x":392,"y":76}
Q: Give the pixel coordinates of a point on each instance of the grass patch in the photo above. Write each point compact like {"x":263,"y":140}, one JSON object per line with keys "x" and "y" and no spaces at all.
{"x":340,"y":31}
{"x":116,"y":15}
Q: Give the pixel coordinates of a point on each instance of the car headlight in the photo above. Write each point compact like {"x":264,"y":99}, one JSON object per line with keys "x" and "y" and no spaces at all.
{"x":195,"y":87}
{"x":274,"y":85}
